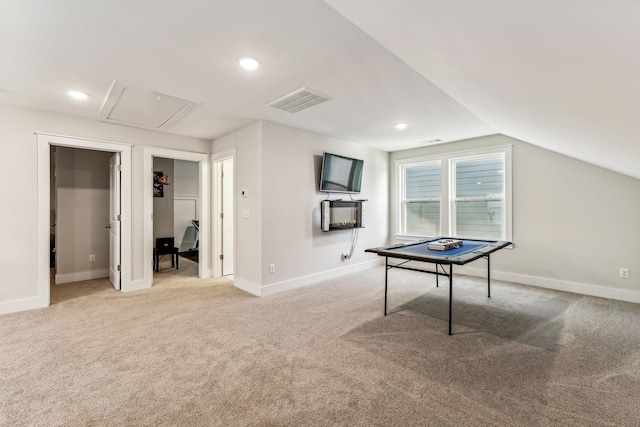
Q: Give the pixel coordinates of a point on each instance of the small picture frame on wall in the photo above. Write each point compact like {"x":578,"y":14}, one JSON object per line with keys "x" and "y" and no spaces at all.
{"x":158,"y":184}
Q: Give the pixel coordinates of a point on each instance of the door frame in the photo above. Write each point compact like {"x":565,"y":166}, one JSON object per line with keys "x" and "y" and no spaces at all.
{"x":115,"y":275}
{"x":216,"y":195}
{"x":226,"y":232}
{"x":204,"y":268}
{"x":44,"y":142}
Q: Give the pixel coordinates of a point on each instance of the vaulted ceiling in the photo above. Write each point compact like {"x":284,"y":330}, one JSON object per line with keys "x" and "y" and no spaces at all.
{"x":560,"y":75}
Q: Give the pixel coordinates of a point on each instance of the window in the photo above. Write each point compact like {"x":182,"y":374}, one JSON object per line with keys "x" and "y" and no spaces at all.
{"x":421,"y":199}
{"x":464,"y":194}
{"x":478,"y":197}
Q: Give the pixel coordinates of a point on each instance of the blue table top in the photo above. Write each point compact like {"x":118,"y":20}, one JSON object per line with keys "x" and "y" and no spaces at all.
{"x":422,"y":248}
{"x":419,"y":251}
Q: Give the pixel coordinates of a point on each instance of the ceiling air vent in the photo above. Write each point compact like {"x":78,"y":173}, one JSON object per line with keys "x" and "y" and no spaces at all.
{"x":299,"y":100}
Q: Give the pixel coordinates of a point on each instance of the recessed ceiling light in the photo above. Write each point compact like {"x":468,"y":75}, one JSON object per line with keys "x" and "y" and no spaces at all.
{"x":401,"y":126}
{"x":76,"y":94}
{"x":249,"y":62}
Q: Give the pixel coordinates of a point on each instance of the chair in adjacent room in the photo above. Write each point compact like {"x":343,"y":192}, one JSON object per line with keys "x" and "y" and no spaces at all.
{"x":196,"y":225}
{"x":165,"y":246}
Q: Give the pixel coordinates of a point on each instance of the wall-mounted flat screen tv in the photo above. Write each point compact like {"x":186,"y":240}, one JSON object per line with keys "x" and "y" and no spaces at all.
{"x":340,"y":174}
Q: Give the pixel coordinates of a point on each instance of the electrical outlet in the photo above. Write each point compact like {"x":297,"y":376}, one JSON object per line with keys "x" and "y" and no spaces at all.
{"x":92,"y":258}
{"x":624,"y":273}
{"x":272,"y":268}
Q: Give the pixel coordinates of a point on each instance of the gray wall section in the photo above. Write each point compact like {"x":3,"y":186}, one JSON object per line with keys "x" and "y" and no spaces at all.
{"x":186,"y":201}
{"x":279,"y":221}
{"x":248,"y":145}
{"x":183,"y":181}
{"x":186,"y":178}
{"x":293,"y":239}
{"x":82,"y":178}
{"x":163,"y":206}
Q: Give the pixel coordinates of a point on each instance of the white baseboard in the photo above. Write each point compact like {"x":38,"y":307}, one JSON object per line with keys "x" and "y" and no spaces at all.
{"x":135,"y":285}
{"x":7,"y":307}
{"x":318,"y":277}
{"x":82,"y":275}
{"x":31,"y":303}
{"x":206,"y":272}
{"x":247,"y":286}
{"x":555,"y":284}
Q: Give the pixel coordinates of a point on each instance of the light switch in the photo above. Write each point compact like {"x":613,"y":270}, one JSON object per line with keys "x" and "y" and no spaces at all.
{"x":245,"y":214}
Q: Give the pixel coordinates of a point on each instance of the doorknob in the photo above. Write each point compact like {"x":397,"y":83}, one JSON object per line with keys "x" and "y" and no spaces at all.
{"x":107,"y":226}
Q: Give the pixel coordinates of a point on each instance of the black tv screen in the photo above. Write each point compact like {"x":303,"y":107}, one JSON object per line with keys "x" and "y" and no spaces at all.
{"x":340,"y":174}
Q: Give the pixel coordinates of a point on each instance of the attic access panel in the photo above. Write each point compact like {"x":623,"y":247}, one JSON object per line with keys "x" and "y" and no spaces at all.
{"x":140,"y":107}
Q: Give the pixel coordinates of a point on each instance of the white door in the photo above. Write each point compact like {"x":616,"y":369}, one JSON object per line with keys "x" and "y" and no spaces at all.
{"x":227,"y":217}
{"x":114,"y":221}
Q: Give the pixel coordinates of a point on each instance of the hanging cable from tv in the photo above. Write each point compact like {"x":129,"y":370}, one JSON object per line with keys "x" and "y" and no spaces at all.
{"x":347,"y":254}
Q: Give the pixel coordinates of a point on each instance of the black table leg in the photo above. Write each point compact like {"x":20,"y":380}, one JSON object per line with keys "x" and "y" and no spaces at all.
{"x":386,"y":274}
{"x":450,"y":295}
{"x":488,"y":278}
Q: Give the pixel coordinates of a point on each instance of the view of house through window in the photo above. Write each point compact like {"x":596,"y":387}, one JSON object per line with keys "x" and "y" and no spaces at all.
{"x":421,"y":204}
{"x":478,"y":197}
{"x":457,"y":194}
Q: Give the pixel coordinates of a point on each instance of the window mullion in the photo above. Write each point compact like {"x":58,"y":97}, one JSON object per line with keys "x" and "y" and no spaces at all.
{"x":448,"y":190}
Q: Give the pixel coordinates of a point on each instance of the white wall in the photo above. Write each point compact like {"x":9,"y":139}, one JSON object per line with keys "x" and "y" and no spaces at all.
{"x":18,"y":224}
{"x":280,"y":167}
{"x":248,"y":175}
{"x":82,"y":178}
{"x":574,"y":224}
{"x":292,"y":237}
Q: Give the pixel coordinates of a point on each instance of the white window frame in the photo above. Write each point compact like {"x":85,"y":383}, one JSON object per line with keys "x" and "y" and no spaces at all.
{"x":447,"y":202}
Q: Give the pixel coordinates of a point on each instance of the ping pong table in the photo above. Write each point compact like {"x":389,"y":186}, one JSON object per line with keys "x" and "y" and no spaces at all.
{"x":469,"y":251}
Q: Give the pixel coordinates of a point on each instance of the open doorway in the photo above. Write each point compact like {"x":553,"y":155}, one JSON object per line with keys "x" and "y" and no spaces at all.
{"x":81,"y":233}
{"x":85,"y":202}
{"x":151,"y":176}
{"x":176,"y":216}
{"x":224,"y":212}
{"x":227,"y":229}
{"x":85,"y":221}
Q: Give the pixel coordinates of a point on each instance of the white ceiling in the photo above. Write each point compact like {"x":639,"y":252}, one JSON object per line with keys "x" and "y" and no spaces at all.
{"x":564,"y":75}
{"x":561,"y":75}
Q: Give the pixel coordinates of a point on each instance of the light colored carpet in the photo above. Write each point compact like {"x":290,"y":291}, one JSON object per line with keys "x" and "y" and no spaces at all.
{"x":192,"y":352}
